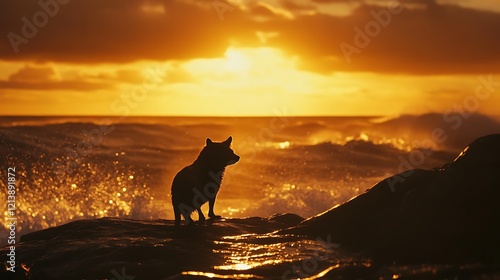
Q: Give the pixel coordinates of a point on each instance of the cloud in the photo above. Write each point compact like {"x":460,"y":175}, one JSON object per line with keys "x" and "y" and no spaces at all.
{"x":44,"y":78}
{"x":64,"y":85}
{"x":433,"y":39}
{"x":32,"y":74}
{"x":264,"y":11}
{"x":97,"y":31}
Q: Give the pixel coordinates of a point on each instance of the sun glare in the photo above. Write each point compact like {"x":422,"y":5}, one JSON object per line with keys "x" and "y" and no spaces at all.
{"x":236,"y":61}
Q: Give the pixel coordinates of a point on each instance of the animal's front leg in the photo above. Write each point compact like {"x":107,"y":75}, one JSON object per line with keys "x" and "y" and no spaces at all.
{"x":211,"y":203}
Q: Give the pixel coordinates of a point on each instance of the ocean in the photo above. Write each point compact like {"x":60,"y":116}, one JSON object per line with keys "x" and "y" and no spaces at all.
{"x":86,"y":168}
{"x":73,"y":168}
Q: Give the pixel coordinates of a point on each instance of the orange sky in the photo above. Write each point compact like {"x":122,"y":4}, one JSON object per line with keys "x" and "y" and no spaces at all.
{"x":247,"y":57}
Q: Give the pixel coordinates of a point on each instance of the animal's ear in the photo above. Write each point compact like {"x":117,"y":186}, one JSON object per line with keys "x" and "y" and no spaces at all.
{"x":209,"y":142}
{"x":229,"y":140}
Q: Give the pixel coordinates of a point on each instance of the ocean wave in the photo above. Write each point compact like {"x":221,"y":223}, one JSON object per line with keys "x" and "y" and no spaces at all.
{"x":73,"y":169}
{"x":458,"y":129}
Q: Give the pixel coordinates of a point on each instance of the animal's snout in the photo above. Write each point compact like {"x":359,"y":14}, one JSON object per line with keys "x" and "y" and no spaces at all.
{"x":233,"y":160}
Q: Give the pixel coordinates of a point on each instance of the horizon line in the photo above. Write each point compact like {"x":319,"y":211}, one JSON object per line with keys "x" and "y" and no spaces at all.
{"x":234,"y":116}
{"x":194,"y":116}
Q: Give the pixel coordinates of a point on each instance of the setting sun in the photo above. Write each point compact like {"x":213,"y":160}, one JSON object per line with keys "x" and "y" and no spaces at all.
{"x":237,"y":61}
{"x":247,"y":58}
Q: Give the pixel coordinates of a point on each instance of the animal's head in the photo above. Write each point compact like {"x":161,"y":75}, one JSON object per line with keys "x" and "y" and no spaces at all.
{"x":220,"y":153}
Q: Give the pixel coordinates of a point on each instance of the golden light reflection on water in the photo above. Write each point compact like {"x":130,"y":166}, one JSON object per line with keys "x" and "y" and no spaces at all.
{"x":230,"y":211}
{"x":322,"y":273}
{"x":274,"y":145}
{"x":238,"y":266}
{"x":246,"y":252}
{"x":397,"y":142}
{"x":245,"y":255}
{"x":284,"y":145}
{"x":221,"y":276}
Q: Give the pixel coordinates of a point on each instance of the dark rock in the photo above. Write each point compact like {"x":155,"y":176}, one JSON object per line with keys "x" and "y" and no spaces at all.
{"x":450,"y":214}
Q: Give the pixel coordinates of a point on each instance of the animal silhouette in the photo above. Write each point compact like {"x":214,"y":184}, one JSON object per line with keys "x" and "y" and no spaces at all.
{"x":200,"y":182}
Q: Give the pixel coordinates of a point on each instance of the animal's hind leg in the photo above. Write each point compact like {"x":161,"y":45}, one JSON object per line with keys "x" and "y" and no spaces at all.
{"x":201,"y":217}
{"x":185,"y":211}
{"x":187,"y":218}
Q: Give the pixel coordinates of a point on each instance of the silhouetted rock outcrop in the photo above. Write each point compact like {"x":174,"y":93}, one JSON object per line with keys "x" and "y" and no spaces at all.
{"x":450,"y":214}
